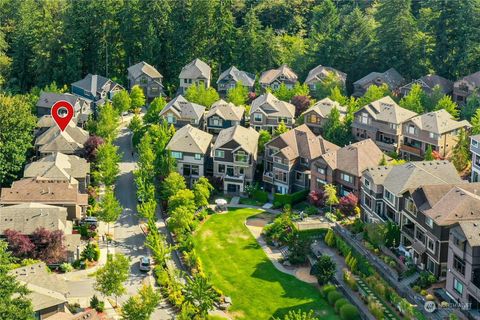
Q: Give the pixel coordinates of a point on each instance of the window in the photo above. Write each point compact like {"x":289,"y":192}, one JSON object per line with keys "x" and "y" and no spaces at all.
{"x":411,"y":129}
{"x":410,"y":206}
{"x":458,"y":286}
{"x":304,"y":161}
{"x":284,"y":120}
{"x":219,"y":153}
{"x":278,"y":160}
{"x":299,"y":176}
{"x":189,"y":80}
{"x":429,"y":222}
{"x":144,"y":80}
{"x":230,"y":171}
{"x":474,"y":143}
{"x":177,"y":155}
{"x":431,"y":245}
{"x":393,"y":126}
{"x":241,"y":156}
{"x":314,"y":118}
{"x":241,"y":170}
{"x":321,"y":170}
{"x":459,"y":243}
{"x":221,"y":168}
{"x":257,"y":117}
{"x":280,"y":175}
{"x":193,"y":121}
{"x":420,"y":235}
{"x":477,"y":160}
{"x":198,"y":156}
{"x":321,"y":183}
{"x":458,"y":264}
{"x":389,"y":196}
{"x":215,"y":121}
{"x":347,"y":178}
{"x":171,"y":119}
{"x":433,"y":135}
{"x":367,"y":201}
{"x":367,"y":183}
{"x":190,"y":170}
{"x":185,"y":81}
{"x":364,"y":118}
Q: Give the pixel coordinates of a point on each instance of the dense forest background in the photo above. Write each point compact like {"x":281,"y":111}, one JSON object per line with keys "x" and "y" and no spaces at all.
{"x":45,"y":41}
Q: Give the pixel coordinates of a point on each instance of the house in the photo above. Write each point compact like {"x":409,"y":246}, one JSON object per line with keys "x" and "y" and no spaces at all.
{"x":90,"y":314}
{"x":465,"y":86}
{"x":235,"y":157}
{"x":43,"y":124}
{"x":196,"y":72}
{"x":147,"y":78}
{"x":224,"y":115}
{"x":190,"y":147}
{"x":475,"y":150}
{"x":383,"y":188}
{"x":288,"y":158}
{"x":391,"y":78}
{"x":96,"y":88}
{"x":316,"y":116}
{"x":428,"y":83}
{"x":275,"y":77}
{"x":267,"y":112}
{"x":181,"y":112}
{"x":69,"y":141}
{"x":436,"y":129}
{"x":81,"y":106}
{"x":381,"y":121}
{"x":59,"y":166}
{"x":231,"y":77}
{"x":429,"y":214}
{"x":53,"y":192}
{"x":319,"y":73}
{"x":344,"y":167}
{"x":463,"y":276}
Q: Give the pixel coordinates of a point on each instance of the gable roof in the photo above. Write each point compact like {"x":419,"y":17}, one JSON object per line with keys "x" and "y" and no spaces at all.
{"x":325,"y":106}
{"x":184,"y":109}
{"x":320,"y":72}
{"x":354,"y":158}
{"x":247,"y":79}
{"x":471,"y":230}
{"x":246,"y":138}
{"x":95,"y":84}
{"x":387,"y":110}
{"x":429,"y":81}
{"x":58,"y":166}
{"x":226,"y":111}
{"x":196,"y":69}
{"x":71,"y":139}
{"x":143,"y":68}
{"x":302,"y":142}
{"x":45,"y":121}
{"x":391,"y":77}
{"x":48,"y":99}
{"x":190,"y":139}
{"x":473,"y":79}
{"x":438,"y":122}
{"x":272,"y":106}
{"x":271,"y":75}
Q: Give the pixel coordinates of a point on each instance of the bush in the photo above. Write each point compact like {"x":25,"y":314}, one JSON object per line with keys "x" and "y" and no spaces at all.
{"x":283,"y":199}
{"x":96,"y":304}
{"x":340,"y":302}
{"x":416,"y":288}
{"x":333,"y":296}
{"x":350,"y":280}
{"x":66,"y":267}
{"x":375,"y":308}
{"x":91,"y":252}
{"x":423,"y":292}
{"x":349,"y":312}
{"x":260,"y":196}
{"x":326,"y":289}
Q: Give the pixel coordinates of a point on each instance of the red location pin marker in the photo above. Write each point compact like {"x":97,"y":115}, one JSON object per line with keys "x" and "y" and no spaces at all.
{"x":62,"y":113}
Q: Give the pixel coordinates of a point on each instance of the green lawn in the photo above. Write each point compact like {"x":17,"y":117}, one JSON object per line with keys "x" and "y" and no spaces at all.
{"x":238,"y":266}
{"x":251,"y":202}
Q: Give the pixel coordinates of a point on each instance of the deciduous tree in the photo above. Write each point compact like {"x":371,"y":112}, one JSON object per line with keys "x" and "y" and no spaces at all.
{"x":121,"y":101}
{"x":110,"y":279}
{"x":106,"y":166}
{"x":107,"y":123}
{"x":137,"y":97}
{"x":201,"y":95}
{"x":238,"y":95}
{"x":173,"y":183}
{"x":142,"y":305}
{"x":448,"y":105}
{"x":153,"y":111}
{"x":263,"y":138}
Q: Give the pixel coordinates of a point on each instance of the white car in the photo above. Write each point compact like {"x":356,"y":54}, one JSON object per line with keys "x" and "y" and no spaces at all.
{"x":145,"y":265}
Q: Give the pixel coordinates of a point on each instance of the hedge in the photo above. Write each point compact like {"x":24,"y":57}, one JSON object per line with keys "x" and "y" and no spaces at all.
{"x":261,"y":196}
{"x":340,"y":303}
{"x":349,"y":312}
{"x":283,"y":199}
{"x":333,"y":296}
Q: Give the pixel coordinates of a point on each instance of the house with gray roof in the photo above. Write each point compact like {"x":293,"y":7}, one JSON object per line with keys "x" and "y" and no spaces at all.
{"x":191,"y":147}
{"x":317,"y":115}
{"x":181,"y":112}
{"x":288,"y":158}
{"x":267,"y":111}
{"x":96,"y":89}
{"x":381,"y":121}
{"x":224,"y":115}
{"x":229,"y":78}
{"x":69,"y":141}
{"x":428,"y":83}
{"x":391,"y":78}
{"x":319,"y":73}
{"x":146,"y":77}
{"x":81,"y":106}
{"x":196,"y":72}
{"x":437,"y":130}
{"x":464,"y":87}
{"x":235,"y":157}
{"x":275,"y":77}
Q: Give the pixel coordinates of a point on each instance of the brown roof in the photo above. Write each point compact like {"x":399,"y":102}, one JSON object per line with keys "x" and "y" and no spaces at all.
{"x":272,"y":106}
{"x":190,"y":139}
{"x":387,"y":110}
{"x":471,"y":230}
{"x":246,"y":138}
{"x":269,"y":76}
{"x":438,"y":122}
{"x":473,"y":79}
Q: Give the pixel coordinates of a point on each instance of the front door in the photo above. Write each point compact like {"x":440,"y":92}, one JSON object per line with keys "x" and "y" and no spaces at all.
{"x":232,"y":188}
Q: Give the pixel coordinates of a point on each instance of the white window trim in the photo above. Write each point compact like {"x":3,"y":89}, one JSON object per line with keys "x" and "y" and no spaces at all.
{"x":217,"y":152}
{"x":434,"y":244}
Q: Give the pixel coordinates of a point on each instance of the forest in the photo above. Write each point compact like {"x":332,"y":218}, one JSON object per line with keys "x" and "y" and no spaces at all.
{"x":45,"y":41}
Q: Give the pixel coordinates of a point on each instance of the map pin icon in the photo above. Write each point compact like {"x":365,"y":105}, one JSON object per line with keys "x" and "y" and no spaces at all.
{"x":62,"y":113}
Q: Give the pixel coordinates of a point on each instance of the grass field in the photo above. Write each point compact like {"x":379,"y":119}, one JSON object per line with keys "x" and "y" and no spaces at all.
{"x":237,"y":265}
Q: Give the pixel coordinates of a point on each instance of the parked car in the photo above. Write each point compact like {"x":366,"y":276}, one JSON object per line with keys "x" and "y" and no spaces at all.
{"x":145,"y":265}
{"x":90,"y":221}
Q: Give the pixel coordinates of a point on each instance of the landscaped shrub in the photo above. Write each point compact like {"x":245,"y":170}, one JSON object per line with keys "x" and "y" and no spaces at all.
{"x":333,"y":296}
{"x":260,"y":196}
{"x":330,"y":238}
{"x":91,"y":252}
{"x":310,"y":210}
{"x":339,"y":303}
{"x":375,"y":308}
{"x":349,"y":312}
{"x":280,"y":230}
{"x":283,"y":199}
{"x":66,"y":267}
{"x":350,"y":279}
{"x":326,"y":289}
{"x":96,"y":304}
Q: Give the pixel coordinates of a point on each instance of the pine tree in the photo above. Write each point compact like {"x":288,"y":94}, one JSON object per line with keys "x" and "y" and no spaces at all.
{"x":325,"y":21}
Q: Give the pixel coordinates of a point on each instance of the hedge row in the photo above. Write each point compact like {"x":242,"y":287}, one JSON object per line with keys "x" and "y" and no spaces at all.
{"x":260,"y":196}
{"x":291,"y":199}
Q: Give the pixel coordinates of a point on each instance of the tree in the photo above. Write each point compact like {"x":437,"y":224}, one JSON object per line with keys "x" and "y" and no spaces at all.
{"x":136,"y":124}
{"x":181,"y":219}
{"x":431,"y":100}
{"x":16,"y":135}
{"x":348,"y":205}
{"x":472,"y":105}
{"x":106,"y":166}
{"x":331,"y":198}
{"x":121,"y":101}
{"x":109,"y":279}
{"x":19,"y":244}
{"x":137,"y":97}
{"x":330,"y":238}
{"x":110,"y":208}
{"x":324,"y":269}
{"x":317,"y":197}
{"x":107,"y":123}
{"x":201,"y":95}
{"x":263,"y":138}
{"x":476,"y":122}
{"x":325,"y":20}
{"x":375,"y":234}
{"x":414,"y":99}
{"x":448,"y":105}
{"x":142,"y":305}
{"x":202,"y":190}
{"x":173,"y":183}
{"x":336,"y":131}
{"x":326,"y":85}
{"x":429,"y":154}
{"x":349,"y":312}
{"x":301,"y":104}
{"x":238,"y":95}
{"x":49,"y":245}
{"x":91,"y":147}
{"x":299,"y":315}
{"x":461,"y":152}
{"x":153,"y":111}
{"x":281,"y":128}
{"x":182,"y":198}
{"x":15,"y":303}
{"x":200,"y":293}
{"x":383,"y":161}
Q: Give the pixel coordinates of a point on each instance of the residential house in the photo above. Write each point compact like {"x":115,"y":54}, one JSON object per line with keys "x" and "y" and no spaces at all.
{"x":96,"y":89}
{"x":235,"y":157}
{"x":81,"y":106}
{"x":43,"y":124}
{"x":275,"y":77}
{"x":383,"y":188}
{"x":381,"y":121}
{"x":181,"y":112}
{"x":288,"y":158}
{"x":59,"y":166}
{"x":475,"y":150}
{"x":196,"y":72}
{"x":147,"y":78}
{"x":267,"y":112}
{"x":69,"y":141}
{"x":319,"y":73}
{"x":465,"y":86}
{"x":53,"y":192}
{"x":391,"y":78}
{"x":88,"y":313}
{"x":316,"y":116}
{"x":344,"y":167}
{"x":190,"y":147}
{"x":463,"y":276}
{"x":224,"y":115}
{"x":428,"y":83}
{"x":231,"y":77}
{"x":436,"y":129}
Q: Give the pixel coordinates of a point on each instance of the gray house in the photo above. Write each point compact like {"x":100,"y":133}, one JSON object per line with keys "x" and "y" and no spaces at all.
{"x":96,"y":88}
{"x":231,"y":77}
{"x":267,"y":112}
{"x":391,"y":77}
{"x":465,"y":86}
{"x":275,"y":77}
{"x":319,"y":73}
{"x":428,"y":83}
{"x":81,"y":106}
{"x":224,"y":115}
{"x":68,"y":141}
{"x":317,"y":115}
{"x":148,"y":78}
{"x":180,"y":112}
{"x":196,"y":72}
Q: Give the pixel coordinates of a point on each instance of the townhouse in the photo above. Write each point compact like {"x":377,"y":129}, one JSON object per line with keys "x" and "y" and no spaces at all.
{"x":232,"y":77}
{"x":81,"y":107}
{"x":146,"y":77}
{"x":428,"y":84}
{"x":475,"y":150}
{"x":465,"y":86}
{"x":181,"y":112}
{"x":318,"y":74}
{"x":317,"y":115}
{"x":267,"y":112}
{"x":196,"y":72}
{"x":288,"y":158}
{"x":69,"y":141}
{"x":275,"y":77}
{"x":96,"y":89}
{"x":223,"y":115}
{"x":391,"y":78}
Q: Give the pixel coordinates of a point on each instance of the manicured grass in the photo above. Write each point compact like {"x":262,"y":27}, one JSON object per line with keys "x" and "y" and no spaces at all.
{"x":251,"y":202}
{"x":237,"y":265}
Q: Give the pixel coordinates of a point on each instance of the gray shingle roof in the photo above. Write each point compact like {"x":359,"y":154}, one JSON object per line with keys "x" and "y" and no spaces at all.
{"x":269,"y":76}
{"x":191,"y":140}
{"x":247,"y":79}
{"x":430,"y":81}
{"x":391,"y":77}
{"x":226,"y":111}
{"x":95,"y":84}
{"x":320,"y":72}
{"x":272,"y":106}
{"x":143,"y":68}
{"x":55,"y":140}
{"x":247,"y":138}
{"x":438,"y":122}
{"x":473,"y":79}
{"x":48,"y":99}
{"x":184,"y":109}
{"x":58,"y":166}
{"x":325,"y":106}
{"x":387,"y":110}
{"x":196,"y":69}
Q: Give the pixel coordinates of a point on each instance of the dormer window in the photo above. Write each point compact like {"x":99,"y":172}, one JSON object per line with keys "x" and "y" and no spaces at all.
{"x":241,"y":156}
{"x":171,"y":119}
{"x":257,"y":117}
{"x":364,"y":118}
{"x":411,"y":129}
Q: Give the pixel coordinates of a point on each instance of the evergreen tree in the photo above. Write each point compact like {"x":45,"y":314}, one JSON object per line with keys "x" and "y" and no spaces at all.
{"x":414,"y":99}
{"x":325,"y":21}
{"x":473,"y":104}
{"x":448,"y":105}
{"x":429,"y":154}
{"x":461,"y":152}
{"x":433,"y":98}
{"x":476,"y":122}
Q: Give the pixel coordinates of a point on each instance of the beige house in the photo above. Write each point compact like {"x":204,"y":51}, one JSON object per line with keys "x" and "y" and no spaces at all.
{"x":381,"y":121}
{"x":69,"y":141}
{"x":267,"y":112}
{"x":436,"y":129}
{"x":196,"y":72}
{"x":319,"y":73}
{"x":224,"y":115}
{"x":180,"y":112}
{"x":275,"y":77}
{"x":317,"y":115}
{"x":147,"y":77}
{"x":391,"y":78}
{"x":465,"y":86}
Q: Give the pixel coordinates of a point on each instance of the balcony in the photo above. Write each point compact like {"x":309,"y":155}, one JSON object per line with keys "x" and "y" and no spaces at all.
{"x":268,"y":177}
{"x":234,"y":178}
{"x":385,"y":145}
{"x":410,"y":149}
{"x":409,"y":231}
